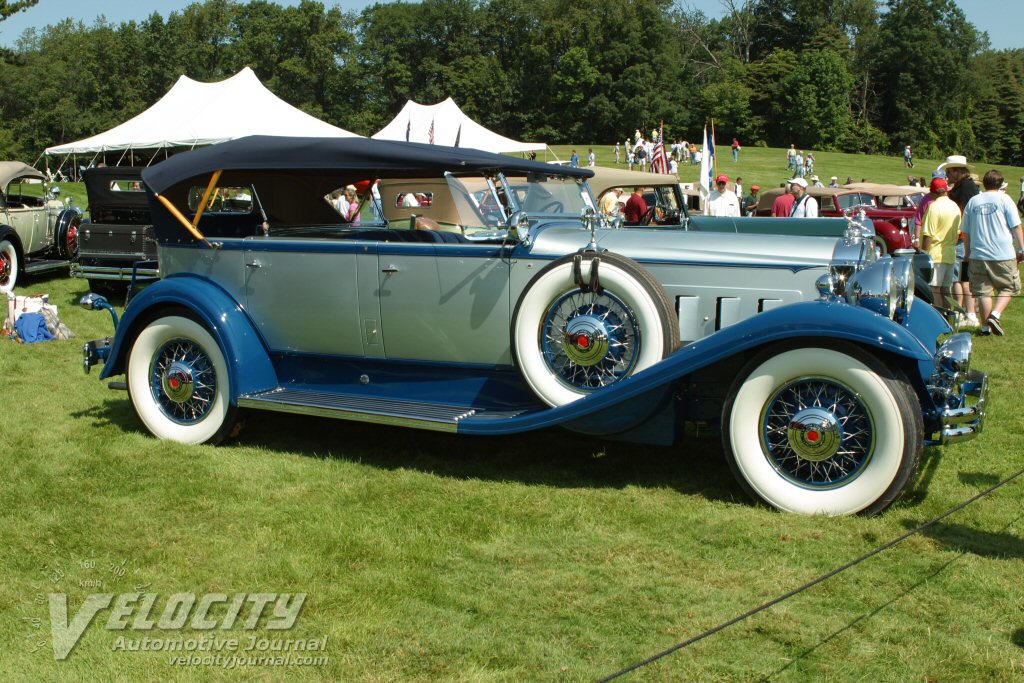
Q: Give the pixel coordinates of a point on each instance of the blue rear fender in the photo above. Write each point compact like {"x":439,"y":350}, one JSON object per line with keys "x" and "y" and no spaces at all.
{"x":249,"y":365}
{"x":810,"y":322}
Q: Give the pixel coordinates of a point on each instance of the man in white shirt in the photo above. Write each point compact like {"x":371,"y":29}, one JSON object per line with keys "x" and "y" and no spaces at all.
{"x":723,"y":201}
{"x":804,"y":206}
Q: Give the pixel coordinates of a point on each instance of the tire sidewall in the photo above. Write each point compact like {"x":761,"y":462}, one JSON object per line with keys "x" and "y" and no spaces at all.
{"x":889,"y":460}
{"x":11,"y":251}
{"x":551,"y":283}
{"x":150,"y":340}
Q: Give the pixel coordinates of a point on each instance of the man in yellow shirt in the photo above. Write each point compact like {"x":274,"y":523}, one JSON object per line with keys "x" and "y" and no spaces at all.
{"x":940,"y":229}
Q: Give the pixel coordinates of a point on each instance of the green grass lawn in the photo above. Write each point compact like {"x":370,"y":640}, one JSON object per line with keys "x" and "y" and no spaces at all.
{"x":767,"y":166}
{"x":543,"y":556}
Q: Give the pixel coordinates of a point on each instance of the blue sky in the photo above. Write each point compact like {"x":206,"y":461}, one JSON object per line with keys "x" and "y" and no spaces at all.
{"x":1002,"y":19}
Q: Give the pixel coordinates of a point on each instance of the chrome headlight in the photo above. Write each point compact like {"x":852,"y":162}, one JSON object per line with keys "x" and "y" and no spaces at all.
{"x":872,"y":288}
{"x":902,"y":282}
{"x":848,"y":258}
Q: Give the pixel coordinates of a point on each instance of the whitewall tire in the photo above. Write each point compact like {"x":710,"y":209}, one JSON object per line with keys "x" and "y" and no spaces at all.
{"x":8,"y":266}
{"x":830,"y":431}
{"x":569,"y":342}
{"x":178,"y":382}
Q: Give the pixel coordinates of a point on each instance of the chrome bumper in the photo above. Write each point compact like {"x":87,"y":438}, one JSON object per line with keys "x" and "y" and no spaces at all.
{"x":959,"y":392}
{"x":111,"y":272}
{"x":966,"y":422}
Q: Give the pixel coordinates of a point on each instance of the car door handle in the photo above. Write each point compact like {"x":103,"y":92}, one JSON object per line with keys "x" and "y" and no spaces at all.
{"x":253,"y":264}
{"x":389,"y":269}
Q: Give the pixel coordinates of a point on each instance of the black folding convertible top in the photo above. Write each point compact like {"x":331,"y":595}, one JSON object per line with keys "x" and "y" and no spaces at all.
{"x":371,"y":158}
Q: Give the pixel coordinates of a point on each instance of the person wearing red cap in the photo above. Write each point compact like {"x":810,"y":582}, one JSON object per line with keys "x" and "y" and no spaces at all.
{"x":723,"y":201}
{"x":940,"y":229}
{"x":749,"y":203}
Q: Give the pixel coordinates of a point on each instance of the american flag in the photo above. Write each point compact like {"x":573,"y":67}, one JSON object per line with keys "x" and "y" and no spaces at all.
{"x":430,"y":133}
{"x":659,"y":161}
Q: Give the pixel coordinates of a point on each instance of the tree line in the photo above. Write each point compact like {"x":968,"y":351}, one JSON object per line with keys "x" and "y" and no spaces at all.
{"x":844,"y":75}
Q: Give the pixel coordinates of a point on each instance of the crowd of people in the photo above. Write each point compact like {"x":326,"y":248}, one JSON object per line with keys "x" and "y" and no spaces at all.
{"x":974,"y":237}
{"x":972,"y":233}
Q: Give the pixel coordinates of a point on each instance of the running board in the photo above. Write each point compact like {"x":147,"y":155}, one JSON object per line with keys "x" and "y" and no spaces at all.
{"x":32,"y":267}
{"x":434,"y":416}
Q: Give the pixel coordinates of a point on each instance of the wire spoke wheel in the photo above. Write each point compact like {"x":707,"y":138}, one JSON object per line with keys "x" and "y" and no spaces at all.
{"x":179,"y":383}
{"x":590,"y":340}
{"x":183,"y":381}
{"x":817,"y":433}
{"x":828,"y":430}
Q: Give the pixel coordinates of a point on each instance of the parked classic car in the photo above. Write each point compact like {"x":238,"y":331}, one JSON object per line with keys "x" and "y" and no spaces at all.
{"x":892,"y":225}
{"x":119,"y":233}
{"x":549,"y":318}
{"x":37,"y":233}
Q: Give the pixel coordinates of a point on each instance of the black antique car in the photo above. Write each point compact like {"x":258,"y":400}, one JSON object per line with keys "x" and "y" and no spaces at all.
{"x":119,"y":236}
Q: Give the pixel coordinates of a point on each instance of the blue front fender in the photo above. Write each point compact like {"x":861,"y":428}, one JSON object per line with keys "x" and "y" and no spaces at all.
{"x":249,"y":366}
{"x":811,"y":321}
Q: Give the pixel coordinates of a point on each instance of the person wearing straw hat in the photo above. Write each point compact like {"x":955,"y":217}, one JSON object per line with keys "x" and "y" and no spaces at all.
{"x":992,"y":232}
{"x":961,"y":188}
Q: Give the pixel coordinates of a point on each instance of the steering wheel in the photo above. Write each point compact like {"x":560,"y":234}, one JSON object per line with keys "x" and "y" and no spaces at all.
{"x":555,"y":207}
{"x":648,"y":216}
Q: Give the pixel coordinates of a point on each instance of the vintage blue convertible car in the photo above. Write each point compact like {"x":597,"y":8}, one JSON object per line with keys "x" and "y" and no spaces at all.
{"x":523,"y":311}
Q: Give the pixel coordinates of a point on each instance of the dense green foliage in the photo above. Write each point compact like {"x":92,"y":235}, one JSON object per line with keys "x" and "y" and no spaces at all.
{"x":848,"y":75}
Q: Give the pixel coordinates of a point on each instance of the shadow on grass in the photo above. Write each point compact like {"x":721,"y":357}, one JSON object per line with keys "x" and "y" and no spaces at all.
{"x":931,"y":458}
{"x":966,"y":539}
{"x":553,"y":457}
{"x":116,"y":411}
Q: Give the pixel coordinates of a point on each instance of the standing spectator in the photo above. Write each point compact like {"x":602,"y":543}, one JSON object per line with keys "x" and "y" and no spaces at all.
{"x":723,"y":201}
{"x":804,"y":205}
{"x":816,"y":181}
{"x":630,"y":157}
{"x":591,"y":159}
{"x":339,"y":203}
{"x":783,"y":204}
{"x":908,"y":157}
{"x":574,"y":160}
{"x":991,"y":228}
{"x":798,"y":165}
{"x":736,"y":149}
{"x":636,"y":207}
{"x":961,"y":189}
{"x":809,"y":164}
{"x":673,"y":166}
{"x":749,"y":203}
{"x":685,"y":148}
{"x":617,"y":153}
{"x":940,"y":230}
{"x":922,"y":207}
{"x":352,"y":210}
{"x":641,"y":155}
{"x":791,"y":158}
{"x":739,"y":187}
{"x":693,"y":154}
{"x":833,"y":181}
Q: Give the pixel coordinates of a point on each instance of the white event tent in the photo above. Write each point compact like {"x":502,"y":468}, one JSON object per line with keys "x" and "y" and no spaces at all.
{"x":192,"y":114}
{"x":445,"y":124}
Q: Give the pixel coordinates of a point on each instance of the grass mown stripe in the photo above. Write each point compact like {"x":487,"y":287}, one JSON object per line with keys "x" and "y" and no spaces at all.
{"x":809,"y":584}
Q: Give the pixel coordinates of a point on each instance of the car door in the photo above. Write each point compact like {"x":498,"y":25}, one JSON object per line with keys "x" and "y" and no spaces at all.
{"x":444,"y":301}
{"x":305,"y":295}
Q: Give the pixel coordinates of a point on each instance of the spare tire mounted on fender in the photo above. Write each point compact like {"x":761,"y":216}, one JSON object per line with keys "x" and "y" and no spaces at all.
{"x":588,"y":320}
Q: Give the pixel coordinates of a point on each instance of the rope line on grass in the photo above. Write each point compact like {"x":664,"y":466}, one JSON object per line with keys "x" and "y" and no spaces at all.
{"x":809,"y":584}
